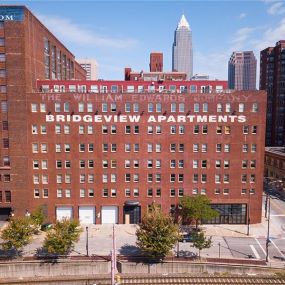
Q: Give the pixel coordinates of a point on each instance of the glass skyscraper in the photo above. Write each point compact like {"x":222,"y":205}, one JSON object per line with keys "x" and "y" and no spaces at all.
{"x":182,"y":53}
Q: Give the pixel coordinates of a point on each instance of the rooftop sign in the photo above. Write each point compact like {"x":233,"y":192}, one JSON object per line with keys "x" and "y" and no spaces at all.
{"x":11,"y":14}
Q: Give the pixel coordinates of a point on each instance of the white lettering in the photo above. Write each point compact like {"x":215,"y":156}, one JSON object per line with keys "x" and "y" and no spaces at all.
{"x":49,"y":118}
{"x":241,"y":119}
{"x":181,"y":119}
{"x":98,"y":118}
{"x":60,"y":118}
{"x":212,"y":119}
{"x":87,"y":118}
{"x":123,"y":119}
{"x":223,"y":119}
{"x":151,"y":119}
{"x":134,"y":119}
{"x":171,"y":119}
{"x":201,"y":119}
{"x":161,"y":118}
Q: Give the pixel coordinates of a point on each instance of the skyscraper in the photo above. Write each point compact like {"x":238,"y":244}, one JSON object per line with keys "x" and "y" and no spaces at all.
{"x":91,"y":67}
{"x":182,"y":53}
{"x":272,"y":74}
{"x":242,"y":71}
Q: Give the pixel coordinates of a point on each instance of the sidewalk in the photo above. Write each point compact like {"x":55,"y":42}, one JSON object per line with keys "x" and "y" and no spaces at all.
{"x":256,"y":230}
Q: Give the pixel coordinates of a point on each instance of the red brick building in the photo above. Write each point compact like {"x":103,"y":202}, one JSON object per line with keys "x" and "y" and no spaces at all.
{"x":103,"y":151}
{"x":112,"y":148}
{"x":156,"y":62}
{"x":272,"y":73}
{"x":28,"y":51}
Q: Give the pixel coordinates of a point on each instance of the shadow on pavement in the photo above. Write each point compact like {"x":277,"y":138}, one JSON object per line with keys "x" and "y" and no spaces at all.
{"x":127,"y":249}
{"x":9,"y":254}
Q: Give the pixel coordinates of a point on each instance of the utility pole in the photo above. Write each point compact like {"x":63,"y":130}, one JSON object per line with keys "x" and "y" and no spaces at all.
{"x":113,"y":258}
{"x":266,"y":202}
{"x":219,"y":244}
{"x":248,"y":212}
{"x":268,"y":231}
{"x":87,"y":243}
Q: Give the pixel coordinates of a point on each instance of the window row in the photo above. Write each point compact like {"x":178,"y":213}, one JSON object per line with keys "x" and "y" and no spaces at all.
{"x":136,"y":147}
{"x":151,"y":177}
{"x":151,"y":107}
{"x":112,"y":129}
{"x":105,"y":192}
{"x":135,"y":163}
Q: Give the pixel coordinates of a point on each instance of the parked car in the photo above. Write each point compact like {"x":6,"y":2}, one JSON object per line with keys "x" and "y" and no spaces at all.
{"x":186,"y":237}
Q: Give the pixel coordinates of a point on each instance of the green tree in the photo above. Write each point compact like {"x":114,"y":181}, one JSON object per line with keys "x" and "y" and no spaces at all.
{"x":200,"y":241}
{"x":38,"y":216}
{"x":61,"y":238}
{"x":197,"y":208}
{"x":156,"y":234}
{"x":17,"y":234}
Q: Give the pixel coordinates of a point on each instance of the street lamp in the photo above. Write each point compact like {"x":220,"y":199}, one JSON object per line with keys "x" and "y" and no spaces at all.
{"x":219,"y":244}
{"x":268,"y":230}
{"x":87,"y":248}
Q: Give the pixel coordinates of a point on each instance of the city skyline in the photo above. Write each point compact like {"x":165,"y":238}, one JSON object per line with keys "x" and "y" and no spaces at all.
{"x":125,"y":34}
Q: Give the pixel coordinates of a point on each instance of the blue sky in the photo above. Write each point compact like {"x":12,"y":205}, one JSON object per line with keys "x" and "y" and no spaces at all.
{"x":123,"y":33}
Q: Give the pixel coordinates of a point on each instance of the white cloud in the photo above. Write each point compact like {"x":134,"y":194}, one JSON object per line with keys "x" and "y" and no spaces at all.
{"x":214,"y":64}
{"x":242,"y":15}
{"x":68,"y":31}
{"x":240,"y":37}
{"x":271,"y":36}
{"x":277,"y":8}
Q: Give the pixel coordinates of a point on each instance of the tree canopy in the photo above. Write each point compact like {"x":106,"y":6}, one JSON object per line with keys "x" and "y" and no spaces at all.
{"x":197,"y":208}
{"x":200,"y":241}
{"x":17,"y":234}
{"x":61,"y":238}
{"x":157,"y":234}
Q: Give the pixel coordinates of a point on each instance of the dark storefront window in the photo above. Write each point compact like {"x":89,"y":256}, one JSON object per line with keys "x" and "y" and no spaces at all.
{"x":229,"y":214}
{"x":8,"y":196}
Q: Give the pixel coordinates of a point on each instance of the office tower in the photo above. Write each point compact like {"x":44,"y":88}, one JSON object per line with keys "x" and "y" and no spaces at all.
{"x":242,"y":71}
{"x":272,"y":78}
{"x":182,"y":53}
{"x":91,"y":67}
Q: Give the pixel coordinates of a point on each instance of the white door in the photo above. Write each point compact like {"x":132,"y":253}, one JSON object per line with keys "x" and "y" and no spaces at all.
{"x":87,"y":215}
{"x":63,"y":212}
{"x":109,"y":215}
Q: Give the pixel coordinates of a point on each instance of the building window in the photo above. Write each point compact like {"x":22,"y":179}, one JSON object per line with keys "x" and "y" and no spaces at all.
{"x":180,"y":192}
{"x":150,"y":107}
{"x":82,"y":193}
{"x":196,"y":129}
{"x":219,"y":130}
{"x":241,"y":107}
{"x":219,"y":108}
{"x":172,"y":192}
{"x":196,"y":107}
{"x":127,"y":192}
{"x":254,"y":107}
{"x":173,"y":107}
{"x":36,"y":193}
{"x":105,"y":192}
{"x":205,"y":107}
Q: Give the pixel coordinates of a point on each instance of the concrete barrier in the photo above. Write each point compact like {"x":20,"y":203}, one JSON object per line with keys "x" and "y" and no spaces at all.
{"x":48,"y":269}
{"x":190,"y":267}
